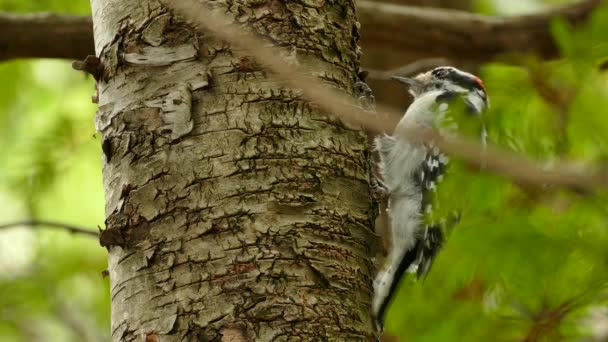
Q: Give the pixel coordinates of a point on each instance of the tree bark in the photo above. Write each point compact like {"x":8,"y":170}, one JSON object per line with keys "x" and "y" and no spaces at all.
{"x":235,"y":211}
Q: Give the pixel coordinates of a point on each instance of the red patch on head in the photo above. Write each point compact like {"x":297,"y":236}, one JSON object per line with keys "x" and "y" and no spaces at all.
{"x":480,"y":83}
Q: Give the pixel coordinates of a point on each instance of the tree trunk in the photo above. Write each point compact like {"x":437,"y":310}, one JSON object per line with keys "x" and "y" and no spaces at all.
{"x":235,"y":211}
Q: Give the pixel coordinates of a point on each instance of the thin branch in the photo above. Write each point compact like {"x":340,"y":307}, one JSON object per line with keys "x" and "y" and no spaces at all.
{"x":502,"y":162}
{"x":408,"y":69}
{"x":559,"y":96}
{"x":41,"y":224}
{"x":386,"y":28}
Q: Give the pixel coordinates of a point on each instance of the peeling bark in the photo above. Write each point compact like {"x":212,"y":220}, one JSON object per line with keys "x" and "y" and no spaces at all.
{"x":235,"y":210}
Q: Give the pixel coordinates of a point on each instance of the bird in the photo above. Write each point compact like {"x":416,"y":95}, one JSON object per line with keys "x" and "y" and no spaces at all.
{"x":410,"y":172}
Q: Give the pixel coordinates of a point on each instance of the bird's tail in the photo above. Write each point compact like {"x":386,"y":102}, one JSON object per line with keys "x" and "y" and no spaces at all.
{"x":418,"y":260}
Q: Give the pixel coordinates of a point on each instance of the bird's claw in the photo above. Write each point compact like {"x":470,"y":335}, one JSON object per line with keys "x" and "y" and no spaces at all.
{"x":378,"y":189}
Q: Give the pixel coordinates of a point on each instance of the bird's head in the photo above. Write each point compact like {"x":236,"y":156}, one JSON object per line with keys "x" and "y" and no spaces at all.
{"x":449,"y":82}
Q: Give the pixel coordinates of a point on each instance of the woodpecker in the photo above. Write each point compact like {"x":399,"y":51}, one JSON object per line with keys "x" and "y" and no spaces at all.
{"x":410,"y":173}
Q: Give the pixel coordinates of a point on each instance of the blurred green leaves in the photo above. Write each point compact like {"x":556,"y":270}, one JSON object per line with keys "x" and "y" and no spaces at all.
{"x":51,"y":288}
{"x":525,"y":263}
{"x":51,"y":169}
{"x":59,"y":6}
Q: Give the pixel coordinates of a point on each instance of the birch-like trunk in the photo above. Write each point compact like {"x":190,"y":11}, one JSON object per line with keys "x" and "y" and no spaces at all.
{"x":235,"y":210}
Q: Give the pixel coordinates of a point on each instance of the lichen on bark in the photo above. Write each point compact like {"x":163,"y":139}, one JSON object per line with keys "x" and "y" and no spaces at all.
{"x":235,"y":209}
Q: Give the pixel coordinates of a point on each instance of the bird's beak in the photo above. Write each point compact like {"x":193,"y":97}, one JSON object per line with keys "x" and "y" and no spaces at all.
{"x":413,"y":84}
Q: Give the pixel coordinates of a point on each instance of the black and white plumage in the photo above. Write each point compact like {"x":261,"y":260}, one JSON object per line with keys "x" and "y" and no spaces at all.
{"x":411,"y":172}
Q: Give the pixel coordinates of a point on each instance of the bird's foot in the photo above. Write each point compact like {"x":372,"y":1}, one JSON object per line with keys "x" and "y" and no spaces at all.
{"x":378,"y":189}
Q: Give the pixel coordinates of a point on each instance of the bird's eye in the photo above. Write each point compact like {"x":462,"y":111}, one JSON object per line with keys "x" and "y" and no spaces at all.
{"x":441,"y":73}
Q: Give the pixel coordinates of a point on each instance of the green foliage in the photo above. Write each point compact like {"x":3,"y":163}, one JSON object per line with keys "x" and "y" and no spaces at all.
{"x":524,"y":261}
{"x":522,"y":257}
{"x":509,"y":7}
{"x":58,"y":6}
{"x":51,"y":286}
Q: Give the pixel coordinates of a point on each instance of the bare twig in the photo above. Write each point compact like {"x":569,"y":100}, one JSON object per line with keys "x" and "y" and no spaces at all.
{"x":386,"y":28}
{"x":408,"y":69}
{"x":559,"y":96}
{"x":41,"y":223}
{"x":505,"y":163}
